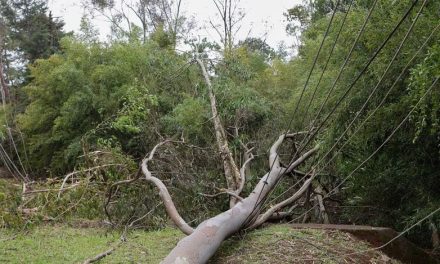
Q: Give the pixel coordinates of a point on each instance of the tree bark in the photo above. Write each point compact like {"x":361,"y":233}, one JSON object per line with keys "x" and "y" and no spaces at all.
{"x":323,"y":216}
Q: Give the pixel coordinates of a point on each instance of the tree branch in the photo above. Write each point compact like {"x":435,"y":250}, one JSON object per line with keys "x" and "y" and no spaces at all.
{"x":264,"y":217}
{"x":223,"y":191}
{"x":164,"y":194}
{"x":243,"y":173}
{"x":77,"y":172}
{"x":301,"y":159}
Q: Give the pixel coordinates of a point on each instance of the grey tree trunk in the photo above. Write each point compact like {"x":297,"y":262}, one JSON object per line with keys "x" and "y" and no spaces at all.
{"x":232,"y":174}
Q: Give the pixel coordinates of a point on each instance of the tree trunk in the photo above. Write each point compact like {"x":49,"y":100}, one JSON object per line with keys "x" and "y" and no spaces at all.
{"x":232,"y":174}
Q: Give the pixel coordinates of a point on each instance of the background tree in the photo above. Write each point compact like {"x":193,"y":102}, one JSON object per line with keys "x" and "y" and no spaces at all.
{"x":230,"y":17}
{"x":32,"y":28}
{"x":150,"y":16}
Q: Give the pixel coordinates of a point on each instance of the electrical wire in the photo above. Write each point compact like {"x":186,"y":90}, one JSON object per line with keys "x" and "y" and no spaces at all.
{"x":326,"y":64}
{"x":341,"y":99}
{"x":331,"y":192}
{"x":340,"y":73}
{"x":372,"y":113}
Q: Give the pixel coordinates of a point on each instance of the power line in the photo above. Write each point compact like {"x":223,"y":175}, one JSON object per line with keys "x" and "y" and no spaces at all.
{"x":340,"y":72}
{"x":380,"y":104}
{"x":377,"y":107}
{"x":360,"y":32}
{"x":299,"y":101}
{"x":379,"y":148}
{"x":338,"y":103}
{"x":326,"y":64}
{"x":389,"y":137}
{"x":380,"y":80}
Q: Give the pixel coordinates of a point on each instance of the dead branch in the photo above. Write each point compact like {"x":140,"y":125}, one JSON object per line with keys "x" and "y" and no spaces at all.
{"x":99,"y":256}
{"x":282,"y":215}
{"x":144,"y":216}
{"x":274,"y":160}
{"x":51,"y":190}
{"x":223,"y":191}
{"x":232,"y":173}
{"x":106,"y":253}
{"x":243,"y":172}
{"x":82,"y":171}
{"x":319,"y":198}
{"x":110,"y":192}
{"x":164,"y":194}
{"x":434,"y":235}
{"x":301,"y":159}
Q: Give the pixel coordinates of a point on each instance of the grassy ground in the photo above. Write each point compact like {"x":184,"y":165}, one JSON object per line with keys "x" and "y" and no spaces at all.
{"x":275,"y":244}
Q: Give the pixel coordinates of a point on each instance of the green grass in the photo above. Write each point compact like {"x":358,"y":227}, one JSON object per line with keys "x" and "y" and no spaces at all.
{"x":72,"y":245}
{"x":274,"y":244}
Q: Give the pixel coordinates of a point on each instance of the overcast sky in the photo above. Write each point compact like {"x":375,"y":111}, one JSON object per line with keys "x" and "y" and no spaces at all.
{"x":264,"y":18}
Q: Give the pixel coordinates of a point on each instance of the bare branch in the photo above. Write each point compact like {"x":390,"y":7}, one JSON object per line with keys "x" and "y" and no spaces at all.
{"x":217,"y":31}
{"x":232,"y":173}
{"x":281,"y":215}
{"x":264,"y":217}
{"x":164,"y":194}
{"x":77,"y":172}
{"x":243,"y":173}
{"x":274,"y":159}
{"x":302,"y":159}
{"x":223,"y":191}
{"x":51,"y":190}
{"x":100,"y":256}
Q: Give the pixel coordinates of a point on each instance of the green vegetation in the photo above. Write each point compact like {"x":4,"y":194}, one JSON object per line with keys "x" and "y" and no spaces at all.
{"x":52,"y":244}
{"x":72,"y":103}
{"x":400,"y":183}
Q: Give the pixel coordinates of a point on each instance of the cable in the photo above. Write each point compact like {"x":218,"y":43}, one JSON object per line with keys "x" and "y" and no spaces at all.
{"x":359,"y":75}
{"x":382,"y":102}
{"x":381,"y":145}
{"x":340,"y":72}
{"x":374,"y":111}
{"x":380,"y":80}
{"x":326,"y":64}
{"x":389,"y":137}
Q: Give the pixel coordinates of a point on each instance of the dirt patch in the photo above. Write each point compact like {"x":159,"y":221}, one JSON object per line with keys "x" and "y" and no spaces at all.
{"x":86,"y":223}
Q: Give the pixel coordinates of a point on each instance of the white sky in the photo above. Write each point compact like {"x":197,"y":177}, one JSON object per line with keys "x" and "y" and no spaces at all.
{"x":262,"y":17}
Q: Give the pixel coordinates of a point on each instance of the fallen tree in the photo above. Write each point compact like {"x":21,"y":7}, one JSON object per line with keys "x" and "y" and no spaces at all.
{"x":202,"y":242}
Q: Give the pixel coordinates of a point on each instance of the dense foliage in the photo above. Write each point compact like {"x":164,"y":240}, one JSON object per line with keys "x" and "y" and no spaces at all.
{"x":93,"y":104}
{"x":400,"y":184}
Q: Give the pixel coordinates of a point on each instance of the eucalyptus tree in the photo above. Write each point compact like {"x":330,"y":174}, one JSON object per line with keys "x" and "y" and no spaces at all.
{"x":146,"y":16}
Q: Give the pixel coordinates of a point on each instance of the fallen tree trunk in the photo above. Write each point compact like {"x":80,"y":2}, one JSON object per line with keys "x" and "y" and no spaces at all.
{"x":202,"y":243}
